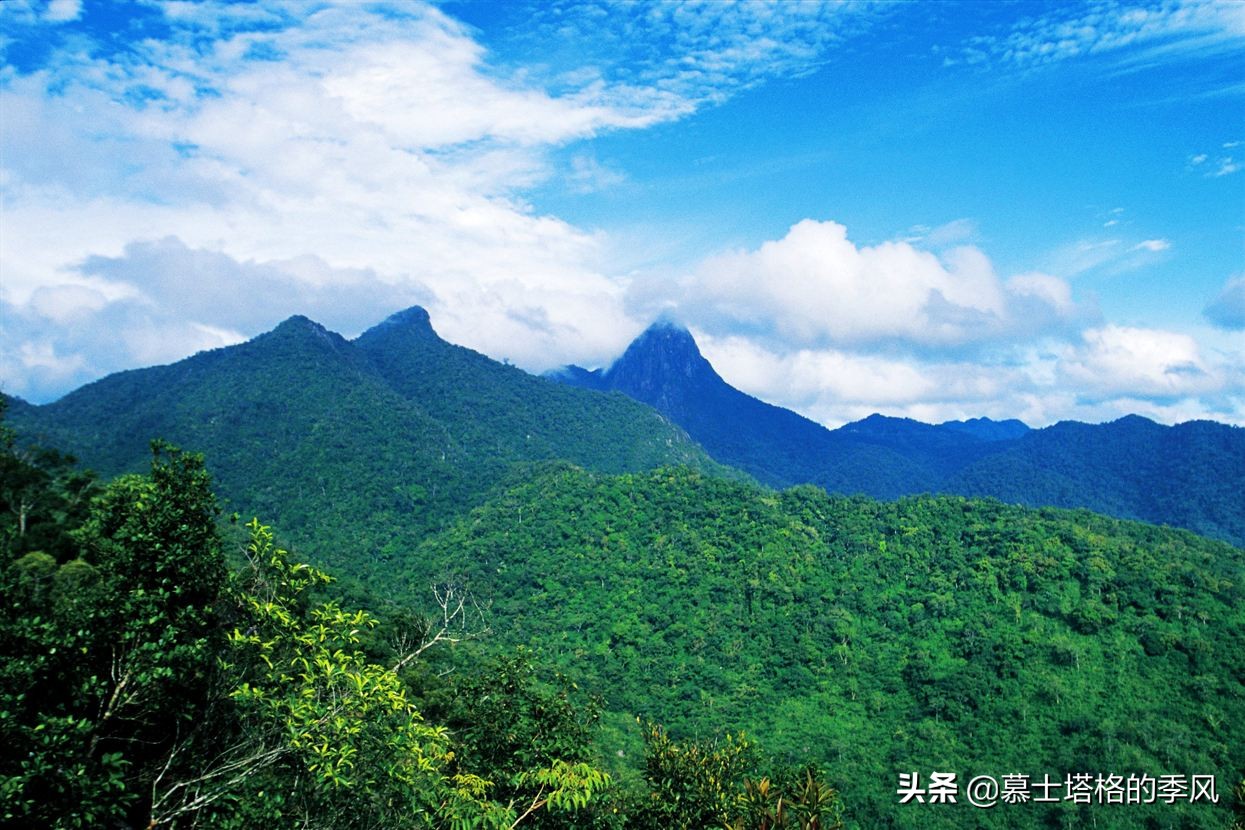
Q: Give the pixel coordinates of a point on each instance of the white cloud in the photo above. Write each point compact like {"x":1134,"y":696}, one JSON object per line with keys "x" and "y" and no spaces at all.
{"x":1107,"y":373}
{"x":67,"y":303}
{"x":382,"y":147}
{"x":378,"y":150}
{"x":1111,"y":256}
{"x":689,"y":50}
{"x":1224,"y":164}
{"x":63,"y":11}
{"x":1052,"y":291}
{"x":1227,"y":166}
{"x":1121,"y":360}
{"x":954,"y":232}
{"x":1150,"y":32}
{"x":815,"y":287}
{"x":588,"y":175}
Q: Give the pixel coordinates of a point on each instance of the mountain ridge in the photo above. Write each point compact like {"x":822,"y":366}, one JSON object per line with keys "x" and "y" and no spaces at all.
{"x":1124,"y":468}
{"x":357,"y":449}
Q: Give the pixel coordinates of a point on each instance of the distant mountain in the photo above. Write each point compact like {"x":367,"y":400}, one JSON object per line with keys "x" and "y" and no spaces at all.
{"x":1191,"y":475}
{"x":354,"y":449}
{"x":1188,"y":476}
{"x":879,"y":456}
{"x":988,"y":430}
{"x":664,"y":368}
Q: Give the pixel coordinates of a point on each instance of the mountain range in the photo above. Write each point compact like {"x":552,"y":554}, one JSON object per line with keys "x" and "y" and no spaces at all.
{"x":1190,"y":475}
{"x":354,"y":448}
{"x":368,"y":445}
{"x":620,"y":543}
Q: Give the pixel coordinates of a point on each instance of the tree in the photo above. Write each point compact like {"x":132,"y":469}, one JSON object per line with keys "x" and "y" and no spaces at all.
{"x":694,"y":784}
{"x":325,"y":736}
{"x":719,"y":783}
{"x":530,"y":735}
{"x":106,"y":662}
{"x":42,"y":497}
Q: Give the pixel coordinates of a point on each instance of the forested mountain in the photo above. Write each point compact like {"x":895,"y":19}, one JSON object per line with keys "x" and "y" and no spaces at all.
{"x":1191,"y":475}
{"x":852,"y":639}
{"x":931,"y":633}
{"x":664,"y":369}
{"x":1188,"y":476}
{"x":361,"y":446}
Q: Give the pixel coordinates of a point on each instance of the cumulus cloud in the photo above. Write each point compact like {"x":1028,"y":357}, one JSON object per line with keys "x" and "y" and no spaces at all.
{"x":838,"y":331}
{"x":1114,"y":360}
{"x":40,"y":361}
{"x":341,"y":161}
{"x":1105,"y":373}
{"x":815,"y":287}
{"x":161,"y":300}
{"x":378,"y":146}
{"x":214,"y":289}
{"x":1227,"y":310}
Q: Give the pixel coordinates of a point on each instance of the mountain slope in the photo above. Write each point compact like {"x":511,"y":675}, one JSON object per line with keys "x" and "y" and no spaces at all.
{"x":1188,"y":476}
{"x":874,"y":637}
{"x":339,"y":444}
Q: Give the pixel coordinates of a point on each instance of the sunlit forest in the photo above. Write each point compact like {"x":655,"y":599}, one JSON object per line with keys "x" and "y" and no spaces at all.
{"x":644,"y":650}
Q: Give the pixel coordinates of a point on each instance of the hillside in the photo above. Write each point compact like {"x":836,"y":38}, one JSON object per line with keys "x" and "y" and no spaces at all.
{"x":1188,"y":476}
{"x":932,"y":633}
{"x":355,"y":449}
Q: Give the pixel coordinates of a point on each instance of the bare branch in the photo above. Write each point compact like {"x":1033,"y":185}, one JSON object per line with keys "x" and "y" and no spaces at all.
{"x":451,"y":623}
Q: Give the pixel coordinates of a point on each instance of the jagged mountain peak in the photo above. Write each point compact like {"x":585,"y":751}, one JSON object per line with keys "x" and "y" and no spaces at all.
{"x":667,"y":330}
{"x":661,"y":362}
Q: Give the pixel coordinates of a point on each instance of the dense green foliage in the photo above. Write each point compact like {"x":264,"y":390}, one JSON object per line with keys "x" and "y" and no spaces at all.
{"x":106,"y":656}
{"x":931,"y":633}
{"x":42,"y":496}
{"x":851,"y":640}
{"x":356,"y":449}
{"x":144,"y":686}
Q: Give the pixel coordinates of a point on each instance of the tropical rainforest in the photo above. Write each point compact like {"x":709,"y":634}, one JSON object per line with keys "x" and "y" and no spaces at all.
{"x":477,"y":599}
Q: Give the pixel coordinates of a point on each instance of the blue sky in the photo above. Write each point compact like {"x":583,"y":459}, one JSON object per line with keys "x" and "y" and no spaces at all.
{"x":937,"y":210}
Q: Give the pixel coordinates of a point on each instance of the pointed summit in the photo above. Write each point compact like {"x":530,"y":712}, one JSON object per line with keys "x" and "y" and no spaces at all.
{"x":668,"y":335}
{"x":296,"y":324}
{"x":299,"y":334}
{"x":664,"y":368}
{"x":413,"y":320}
{"x":664,"y":355}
